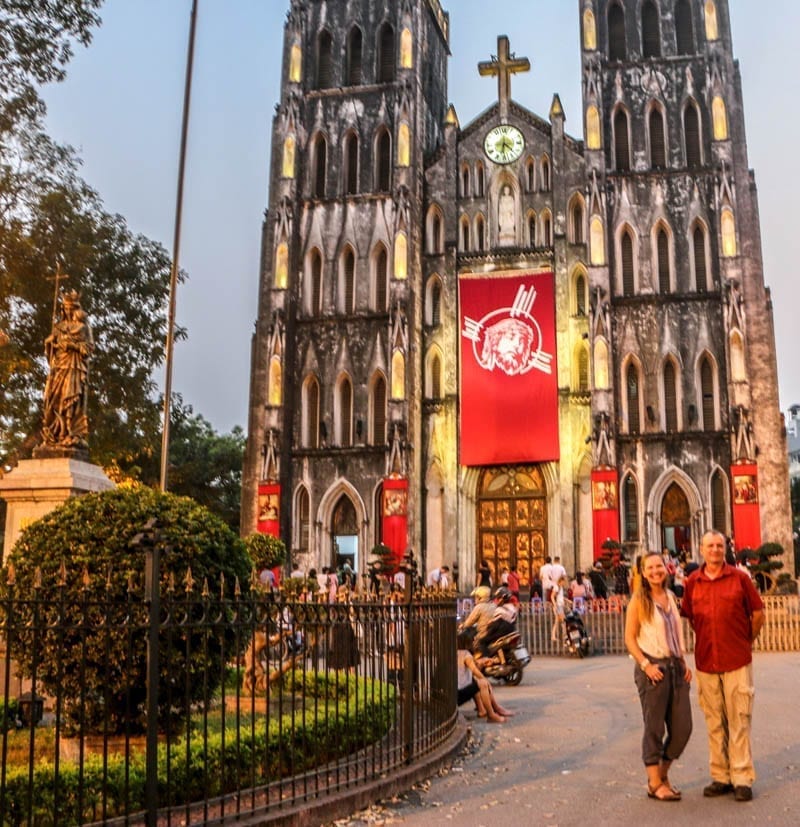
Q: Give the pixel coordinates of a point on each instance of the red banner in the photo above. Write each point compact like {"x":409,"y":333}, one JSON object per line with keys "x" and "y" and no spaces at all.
{"x":394,"y":513}
{"x":605,"y":508}
{"x":746,"y":510}
{"x":269,"y":509}
{"x":509,"y":381}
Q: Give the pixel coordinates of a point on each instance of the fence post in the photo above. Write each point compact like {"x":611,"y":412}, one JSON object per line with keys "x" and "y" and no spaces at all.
{"x":410,"y":654}
{"x":150,"y":541}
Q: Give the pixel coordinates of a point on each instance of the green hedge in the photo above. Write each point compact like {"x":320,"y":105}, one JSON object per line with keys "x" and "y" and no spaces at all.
{"x":350,"y":713}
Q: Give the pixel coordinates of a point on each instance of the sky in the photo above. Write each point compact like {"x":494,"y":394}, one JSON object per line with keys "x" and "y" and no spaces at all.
{"x":120,"y":107}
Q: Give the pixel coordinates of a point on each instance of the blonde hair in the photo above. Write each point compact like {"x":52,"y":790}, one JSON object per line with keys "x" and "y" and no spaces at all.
{"x":644,"y":593}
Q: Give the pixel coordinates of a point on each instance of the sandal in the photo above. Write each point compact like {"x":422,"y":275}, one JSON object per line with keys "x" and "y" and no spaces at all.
{"x":668,"y":795}
{"x":666,"y":782}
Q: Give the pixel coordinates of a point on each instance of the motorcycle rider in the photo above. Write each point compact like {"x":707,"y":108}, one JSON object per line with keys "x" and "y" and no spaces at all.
{"x":481,"y":616}
{"x":504,"y":621}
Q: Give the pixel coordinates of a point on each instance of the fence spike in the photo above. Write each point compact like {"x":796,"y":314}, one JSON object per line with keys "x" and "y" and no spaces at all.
{"x":11,"y":574}
{"x":86,"y":581}
{"x":109,"y":584}
{"x":206,"y":592}
{"x":237,"y":589}
{"x":189,"y":580}
{"x":222,"y":585}
{"x":62,"y":574}
{"x":171,"y":583}
{"x":254,"y":581}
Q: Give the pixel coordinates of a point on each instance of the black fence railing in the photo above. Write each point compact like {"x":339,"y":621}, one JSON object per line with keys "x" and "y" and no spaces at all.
{"x":184,"y":707}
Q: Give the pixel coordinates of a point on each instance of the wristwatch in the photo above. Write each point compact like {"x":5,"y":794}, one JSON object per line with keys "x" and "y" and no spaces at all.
{"x":643,"y":664}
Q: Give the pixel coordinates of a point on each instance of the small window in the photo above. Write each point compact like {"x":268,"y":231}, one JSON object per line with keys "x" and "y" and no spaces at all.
{"x":719,"y":507}
{"x":708,"y":402}
{"x":700,"y":267}
{"x":684,"y":28}
{"x":712,"y":28}
{"x":295,"y":64}
{"x":589,"y":31}
{"x":345,"y":412}
{"x":580,"y":295}
{"x":632,"y":394}
{"x":628,"y":270}
{"x":651,"y":30}
{"x":576,"y":221}
{"x":532,"y":229}
{"x":354,"y":55}
{"x":547,"y":229}
{"x":670,"y":398}
{"x":378,"y":411}
{"x":530,"y":175}
{"x":728,"y":233}
{"x":479,"y":234}
{"x":545,"y":174}
{"x":275,"y":381}
{"x":658,"y":149}
{"x":662,"y":245}
{"x":601,"y":365}
{"x":319,"y":167}
{"x":383,"y":161}
{"x":435,"y":303}
{"x":348,"y":276}
{"x":381,"y":278}
{"x":720,"y":118}
{"x":738,"y":370}
{"x":282,"y":266}
{"x":324,"y":61}
{"x":630,"y":499}
{"x":622,"y":151}
{"x":303,"y":520}
{"x":480,"y":180}
{"x":593,"y":140}
{"x":398,"y":375}
{"x":436,"y":377}
{"x":311,"y":413}
{"x":351,"y":164}
{"x":406,"y":50}
{"x":691,"y":131}
{"x":287,"y":165}
{"x":597,"y":241}
{"x":316,"y":283}
{"x":465,"y":188}
{"x":465,"y":239}
{"x":617,"y":47}
{"x":386,"y":60}
{"x":403,"y":145}
{"x":401,"y":256}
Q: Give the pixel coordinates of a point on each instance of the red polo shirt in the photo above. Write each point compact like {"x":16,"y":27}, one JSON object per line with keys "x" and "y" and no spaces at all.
{"x":720,"y":611}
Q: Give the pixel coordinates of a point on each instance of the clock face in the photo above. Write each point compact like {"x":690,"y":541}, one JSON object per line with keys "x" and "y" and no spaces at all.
{"x":504,"y":144}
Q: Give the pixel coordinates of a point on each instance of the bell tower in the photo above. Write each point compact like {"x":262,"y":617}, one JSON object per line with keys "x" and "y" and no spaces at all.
{"x":676,"y":260}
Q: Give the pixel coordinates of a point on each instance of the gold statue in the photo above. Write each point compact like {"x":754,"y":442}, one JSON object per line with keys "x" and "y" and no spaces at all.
{"x":68,"y":349}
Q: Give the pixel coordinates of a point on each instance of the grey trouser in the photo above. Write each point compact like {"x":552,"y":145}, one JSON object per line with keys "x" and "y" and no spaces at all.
{"x":665,"y":706}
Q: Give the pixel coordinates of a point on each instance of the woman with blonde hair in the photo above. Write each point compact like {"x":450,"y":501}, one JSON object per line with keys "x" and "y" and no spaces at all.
{"x":654,"y":638}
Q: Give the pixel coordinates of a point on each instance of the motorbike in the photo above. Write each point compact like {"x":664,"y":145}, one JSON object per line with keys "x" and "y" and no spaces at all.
{"x":507,"y":659}
{"x":576,"y":638}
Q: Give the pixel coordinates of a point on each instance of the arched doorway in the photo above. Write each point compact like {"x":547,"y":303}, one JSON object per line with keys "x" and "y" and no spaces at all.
{"x":512,"y":520}
{"x":676,"y":520}
{"x":345,"y":534}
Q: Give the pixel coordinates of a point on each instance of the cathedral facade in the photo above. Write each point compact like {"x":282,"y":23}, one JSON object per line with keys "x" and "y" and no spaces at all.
{"x":497,"y":341}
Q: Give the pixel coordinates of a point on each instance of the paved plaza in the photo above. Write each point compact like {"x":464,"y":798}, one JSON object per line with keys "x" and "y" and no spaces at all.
{"x":571,"y":756}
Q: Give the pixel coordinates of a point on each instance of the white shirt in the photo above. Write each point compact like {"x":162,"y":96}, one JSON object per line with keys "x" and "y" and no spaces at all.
{"x":546,"y":576}
{"x":434,"y":577}
{"x":558,"y":572}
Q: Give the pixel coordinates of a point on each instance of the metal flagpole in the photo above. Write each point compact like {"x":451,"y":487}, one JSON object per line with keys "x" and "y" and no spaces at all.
{"x":173,"y":280}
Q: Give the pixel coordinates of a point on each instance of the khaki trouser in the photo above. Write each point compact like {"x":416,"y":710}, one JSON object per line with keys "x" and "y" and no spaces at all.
{"x":727,"y":702}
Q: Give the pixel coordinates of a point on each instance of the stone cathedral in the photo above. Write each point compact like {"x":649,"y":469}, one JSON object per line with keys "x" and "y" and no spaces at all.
{"x":498,"y":341}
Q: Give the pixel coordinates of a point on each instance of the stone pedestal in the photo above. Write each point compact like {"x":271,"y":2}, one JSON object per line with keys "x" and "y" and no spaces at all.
{"x":36,"y":486}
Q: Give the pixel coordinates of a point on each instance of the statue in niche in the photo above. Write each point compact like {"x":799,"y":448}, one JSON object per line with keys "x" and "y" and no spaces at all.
{"x":68,"y":349}
{"x":506,"y":217}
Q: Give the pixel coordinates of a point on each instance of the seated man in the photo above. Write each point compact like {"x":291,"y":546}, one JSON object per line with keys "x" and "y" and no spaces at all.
{"x":473,"y":684}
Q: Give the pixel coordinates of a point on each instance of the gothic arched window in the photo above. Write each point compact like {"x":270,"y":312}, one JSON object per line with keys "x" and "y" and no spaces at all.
{"x":708,"y":402}
{"x":302,"y":519}
{"x":532,"y":228}
{"x":383,"y":161}
{"x":547,"y":229}
{"x":324,"y":60}
{"x":386,"y":59}
{"x":597,"y":241}
{"x":719,"y":504}
{"x":738,"y":369}
{"x":728,"y":225}
{"x":347,"y":289}
{"x":406,"y":50}
{"x":699,"y":257}
{"x":351,"y":164}
{"x":617,"y":47}
{"x":632,"y":398}
{"x":593,"y":140}
{"x":658,"y":147}
{"x":576,"y":220}
{"x":630,"y":505}
{"x":545,"y":174}
{"x":622,"y":143}
{"x":434,"y":231}
{"x":480,"y":234}
{"x":601,"y":365}
{"x":287,"y":165}
{"x":662,"y":260}
{"x":530,"y":175}
{"x":580,"y":295}
{"x":275,"y":391}
{"x":380,"y":278}
{"x":398,"y":375}
{"x":378,"y":410}
{"x":403,"y":145}
{"x":295,"y":64}
{"x":712,"y":28}
{"x":319,"y":166}
{"x":281,"y":278}
{"x":651,"y":30}
{"x":628,"y":266}
{"x":434,"y":383}
{"x":344,"y":412}
{"x":433,"y":304}
{"x":316,"y":293}
{"x":692,"y":136}
{"x":465,"y":188}
{"x":719,"y":117}
{"x":670,"y":398}
{"x":465,"y":240}
{"x":354,"y":56}
{"x":401,"y":255}
{"x":311,"y":413}
{"x":684,"y":28}
{"x":583,"y":368}
{"x":480,"y":180}
{"x":589,"y":31}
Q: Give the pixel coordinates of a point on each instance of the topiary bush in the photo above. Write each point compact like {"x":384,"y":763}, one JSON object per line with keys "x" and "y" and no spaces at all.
{"x":265,"y":551}
{"x":80,"y":617}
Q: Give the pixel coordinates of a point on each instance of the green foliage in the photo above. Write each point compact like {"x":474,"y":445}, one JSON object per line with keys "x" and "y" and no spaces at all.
{"x":265,"y":551}
{"x":9,"y":713}
{"x":384,"y":562}
{"x":36,"y":43}
{"x":352,"y":713}
{"x":764,"y":562}
{"x":80,"y":648}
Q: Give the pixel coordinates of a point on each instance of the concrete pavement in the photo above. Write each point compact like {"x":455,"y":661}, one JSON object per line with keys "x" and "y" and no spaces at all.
{"x":571,"y":756}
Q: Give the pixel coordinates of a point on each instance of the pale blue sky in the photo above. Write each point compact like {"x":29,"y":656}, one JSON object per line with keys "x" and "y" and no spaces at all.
{"x":120,"y":106}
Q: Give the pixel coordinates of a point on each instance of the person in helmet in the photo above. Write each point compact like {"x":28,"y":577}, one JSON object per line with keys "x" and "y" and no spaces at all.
{"x":504,"y":620}
{"x":482,"y":615}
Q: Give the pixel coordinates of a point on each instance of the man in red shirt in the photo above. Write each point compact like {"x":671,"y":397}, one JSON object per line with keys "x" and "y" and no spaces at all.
{"x":726,"y":614}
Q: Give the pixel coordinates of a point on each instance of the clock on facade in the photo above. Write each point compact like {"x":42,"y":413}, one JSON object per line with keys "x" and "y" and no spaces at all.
{"x":504,"y":144}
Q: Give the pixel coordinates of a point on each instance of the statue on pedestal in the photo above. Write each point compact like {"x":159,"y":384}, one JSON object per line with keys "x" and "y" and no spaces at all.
{"x":507,"y":218}
{"x":65,"y":428}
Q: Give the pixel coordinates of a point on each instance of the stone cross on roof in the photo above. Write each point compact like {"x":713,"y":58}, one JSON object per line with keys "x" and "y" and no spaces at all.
{"x":504,"y":65}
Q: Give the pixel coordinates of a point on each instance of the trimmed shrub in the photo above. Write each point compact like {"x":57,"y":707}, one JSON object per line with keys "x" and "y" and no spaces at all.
{"x":78,"y":585}
{"x":265,"y":551}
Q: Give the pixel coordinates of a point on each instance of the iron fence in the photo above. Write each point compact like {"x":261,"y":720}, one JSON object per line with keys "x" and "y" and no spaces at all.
{"x":183,"y":706}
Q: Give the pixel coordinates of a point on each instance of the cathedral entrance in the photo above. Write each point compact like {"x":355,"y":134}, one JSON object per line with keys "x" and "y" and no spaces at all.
{"x":345,"y":535}
{"x":512,"y":520}
{"x":676,"y":520}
